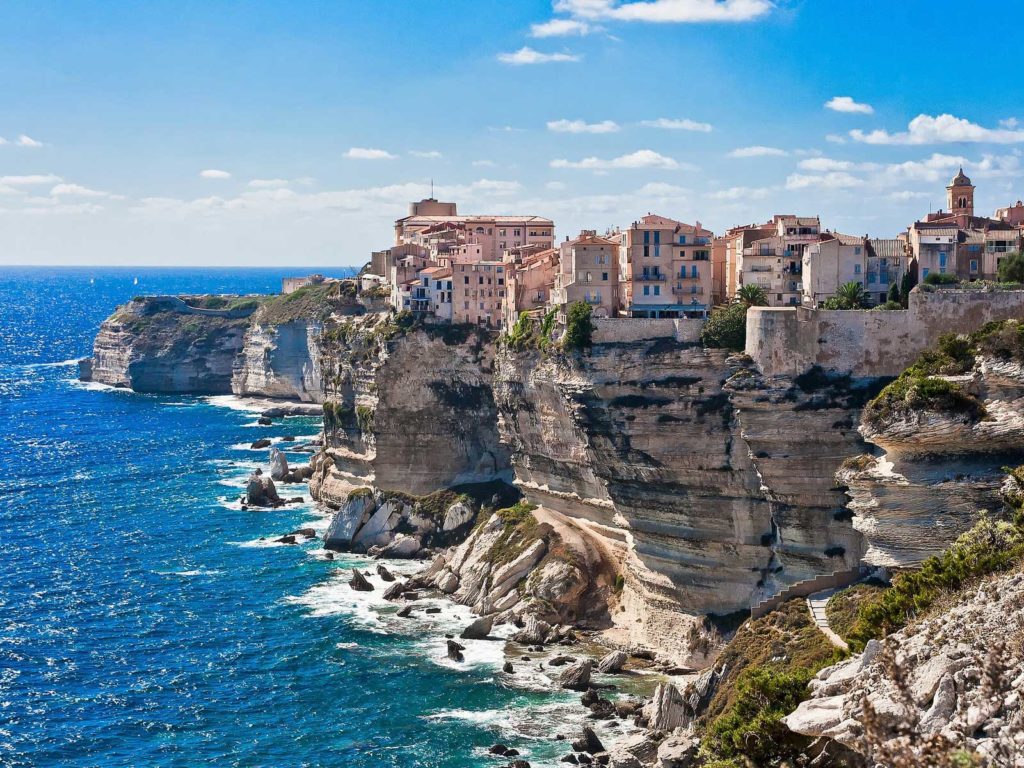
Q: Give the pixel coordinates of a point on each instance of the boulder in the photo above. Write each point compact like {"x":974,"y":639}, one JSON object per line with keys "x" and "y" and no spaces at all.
{"x":678,"y":751}
{"x":404,"y":612}
{"x":287,"y":539}
{"x":263,"y":442}
{"x":455,"y":651}
{"x":667,"y":710}
{"x":264,"y":421}
{"x":576,"y":677}
{"x":479,"y":629}
{"x":359,"y":582}
{"x":588,"y":742}
{"x":379,"y":529}
{"x":636,"y":751}
{"x":384,"y":573}
{"x":535,"y":631}
{"x":260,"y":491}
{"x":346,"y":521}
{"x":456,"y":516}
{"x":508,"y":669}
{"x":278,"y":465}
{"x":402,"y":546}
{"x":612,"y":663}
{"x":448,"y":582}
{"x":308,"y":533}
{"x":395,"y":590}
{"x":498,"y":749}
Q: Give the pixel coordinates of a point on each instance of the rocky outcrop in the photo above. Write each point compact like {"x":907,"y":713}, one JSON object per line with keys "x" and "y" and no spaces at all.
{"x":261,"y":492}
{"x":408,"y":409}
{"x":952,"y":682}
{"x":160,"y":344}
{"x":937,"y":469}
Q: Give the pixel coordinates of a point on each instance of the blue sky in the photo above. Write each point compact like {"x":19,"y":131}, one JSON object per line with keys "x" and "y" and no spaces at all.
{"x":275,"y":133}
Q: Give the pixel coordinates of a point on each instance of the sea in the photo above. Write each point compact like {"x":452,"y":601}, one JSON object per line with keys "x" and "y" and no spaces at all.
{"x":147,"y":620}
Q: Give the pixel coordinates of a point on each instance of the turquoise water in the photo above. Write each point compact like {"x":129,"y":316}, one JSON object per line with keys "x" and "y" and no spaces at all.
{"x":142,"y":620}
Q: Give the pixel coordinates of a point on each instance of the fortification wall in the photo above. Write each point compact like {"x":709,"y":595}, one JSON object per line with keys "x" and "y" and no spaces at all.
{"x":788,"y":341}
{"x":632,"y":329}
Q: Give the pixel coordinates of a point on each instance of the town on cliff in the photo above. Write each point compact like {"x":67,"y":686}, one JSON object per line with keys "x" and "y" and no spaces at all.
{"x":777,"y":473}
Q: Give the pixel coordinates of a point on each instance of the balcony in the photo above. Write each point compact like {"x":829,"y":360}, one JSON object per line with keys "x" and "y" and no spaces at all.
{"x":677,"y":291}
{"x":647,"y":277}
{"x":592,"y":299}
{"x":755,"y":252}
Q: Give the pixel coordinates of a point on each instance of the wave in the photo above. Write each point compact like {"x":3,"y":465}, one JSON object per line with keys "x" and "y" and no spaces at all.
{"x":196,"y":572}
{"x":61,"y":364}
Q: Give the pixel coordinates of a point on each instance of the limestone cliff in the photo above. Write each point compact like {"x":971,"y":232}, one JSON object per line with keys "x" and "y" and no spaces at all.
{"x":717,"y":486}
{"x":281,"y":361}
{"x":407,"y":409}
{"x":162,"y":344}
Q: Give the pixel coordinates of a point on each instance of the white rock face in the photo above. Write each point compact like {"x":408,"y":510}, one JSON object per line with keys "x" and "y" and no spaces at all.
{"x":278,"y":464}
{"x":666,"y":710}
{"x":944,"y":660}
{"x":456,"y":516}
{"x":280,"y":361}
{"x":379,"y":528}
{"x":403,"y":545}
{"x":347,"y":520}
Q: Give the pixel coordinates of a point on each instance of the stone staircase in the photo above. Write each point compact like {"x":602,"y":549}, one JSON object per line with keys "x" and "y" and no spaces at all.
{"x":827,"y":581}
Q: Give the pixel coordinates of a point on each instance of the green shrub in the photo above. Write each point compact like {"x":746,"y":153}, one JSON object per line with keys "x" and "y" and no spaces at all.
{"x":940,"y":278}
{"x":1011,"y":268}
{"x":894,"y":296}
{"x":987,"y":548}
{"x":890,"y":305}
{"x":726,"y":328}
{"x":364,"y":418}
{"x":579,"y":327}
{"x":521,"y":333}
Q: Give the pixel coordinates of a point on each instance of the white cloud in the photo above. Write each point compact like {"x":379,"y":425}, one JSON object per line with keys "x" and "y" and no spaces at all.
{"x":29,"y":180}
{"x":580,"y":126}
{"x":926,"y":129}
{"x":661,"y":189}
{"x":77,"y":190}
{"x":431,"y":154}
{"x":835,"y":138}
{"x":834,"y":180}
{"x":527,"y":55}
{"x":365,"y":153}
{"x":758,"y":151}
{"x":680,"y":124}
{"x":561,"y":28}
{"x":555,"y":186}
{"x":1009,"y":122}
{"x":506,"y":129}
{"x":2,"y":141}
{"x":848,"y":105}
{"x":214,"y":173}
{"x":642,"y":158}
{"x":666,"y":11}
{"x":906,"y":194}
{"x":823,"y":164}
{"x":741,"y":193}
{"x":28,"y":141}
{"x":269,"y":183}
{"x":483,"y":163}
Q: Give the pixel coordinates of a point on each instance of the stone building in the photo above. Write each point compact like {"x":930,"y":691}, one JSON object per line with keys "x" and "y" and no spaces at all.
{"x":665,"y":268}
{"x":775,"y":263}
{"x":530,"y":281}
{"x":478,"y":293}
{"x":588,"y":270}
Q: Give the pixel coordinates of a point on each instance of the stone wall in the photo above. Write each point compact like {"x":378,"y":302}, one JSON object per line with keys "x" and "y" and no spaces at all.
{"x":869,"y":343}
{"x":634,"y":329}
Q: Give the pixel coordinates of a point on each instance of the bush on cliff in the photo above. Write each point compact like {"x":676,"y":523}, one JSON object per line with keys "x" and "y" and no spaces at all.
{"x":989,"y":547}
{"x":1011,"y":268}
{"x":579,"y":327}
{"x":726,"y":328}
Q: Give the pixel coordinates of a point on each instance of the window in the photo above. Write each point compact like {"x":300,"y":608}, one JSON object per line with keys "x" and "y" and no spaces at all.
{"x":856,"y":250}
{"x":657,"y":238}
{"x":856,"y":269}
{"x":693,"y":288}
{"x":924,"y":273}
{"x":657,"y":251}
{"x":587,"y":277}
{"x":647,"y":237}
{"x":682,"y":239}
{"x":693,"y":270}
{"x":647,"y":290}
{"x":942,"y":258}
{"x":516,"y":232}
{"x":974,"y":265}
{"x":604,"y":276}
{"x":466,"y":278}
{"x":657,"y":290}
{"x":501,"y":233}
{"x":647,"y":251}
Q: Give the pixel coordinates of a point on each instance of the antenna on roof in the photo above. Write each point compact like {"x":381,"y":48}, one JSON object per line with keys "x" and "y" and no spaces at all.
{"x":431,"y":189}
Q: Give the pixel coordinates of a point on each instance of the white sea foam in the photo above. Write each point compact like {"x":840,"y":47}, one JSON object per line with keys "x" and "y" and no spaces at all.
{"x":61,"y":364}
{"x":196,"y":572}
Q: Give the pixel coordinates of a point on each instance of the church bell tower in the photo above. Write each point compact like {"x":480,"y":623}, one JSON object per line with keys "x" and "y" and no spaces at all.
{"x":960,"y":195}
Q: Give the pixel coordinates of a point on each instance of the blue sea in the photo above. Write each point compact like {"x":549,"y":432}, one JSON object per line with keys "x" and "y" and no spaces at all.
{"x":147,"y":620}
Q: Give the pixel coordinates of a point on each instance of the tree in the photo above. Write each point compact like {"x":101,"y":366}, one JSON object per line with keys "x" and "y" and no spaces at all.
{"x":851,"y":295}
{"x":907,"y":284}
{"x":727,"y":327}
{"x":1011,"y":268}
{"x":894,"y":293}
{"x":752,"y":295}
{"x":579,"y":328}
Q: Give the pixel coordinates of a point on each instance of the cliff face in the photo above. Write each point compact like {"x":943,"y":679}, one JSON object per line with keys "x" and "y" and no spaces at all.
{"x":937,"y":468}
{"x":280,"y":361}
{"x":408,"y":410}
{"x":150,"y":345}
{"x":719,"y":483}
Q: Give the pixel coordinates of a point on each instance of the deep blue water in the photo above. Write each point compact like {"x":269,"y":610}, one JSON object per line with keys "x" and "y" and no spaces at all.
{"x":143,"y":623}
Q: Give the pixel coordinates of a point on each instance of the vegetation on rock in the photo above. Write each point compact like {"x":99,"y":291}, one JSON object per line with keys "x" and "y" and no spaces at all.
{"x":579,"y":327}
{"x":726,"y":328}
{"x":1011,"y":268}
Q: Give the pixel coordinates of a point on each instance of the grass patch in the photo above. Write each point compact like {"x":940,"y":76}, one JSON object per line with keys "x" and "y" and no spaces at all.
{"x":520,"y":530}
{"x":310,"y":302}
{"x":843,"y":607}
{"x":769,"y":662}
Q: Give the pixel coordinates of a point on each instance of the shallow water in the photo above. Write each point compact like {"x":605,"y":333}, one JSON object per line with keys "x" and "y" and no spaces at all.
{"x":147,"y":620}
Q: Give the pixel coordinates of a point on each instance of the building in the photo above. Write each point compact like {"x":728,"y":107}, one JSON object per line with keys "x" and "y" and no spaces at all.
{"x":530,"y":279}
{"x":836,"y":259}
{"x":1012,"y":215}
{"x":588,"y":270}
{"x":665,"y":268}
{"x":775,"y":263}
{"x":478,"y":293}
{"x":438,"y":227}
{"x":292,"y":284}
{"x":735,"y":241}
